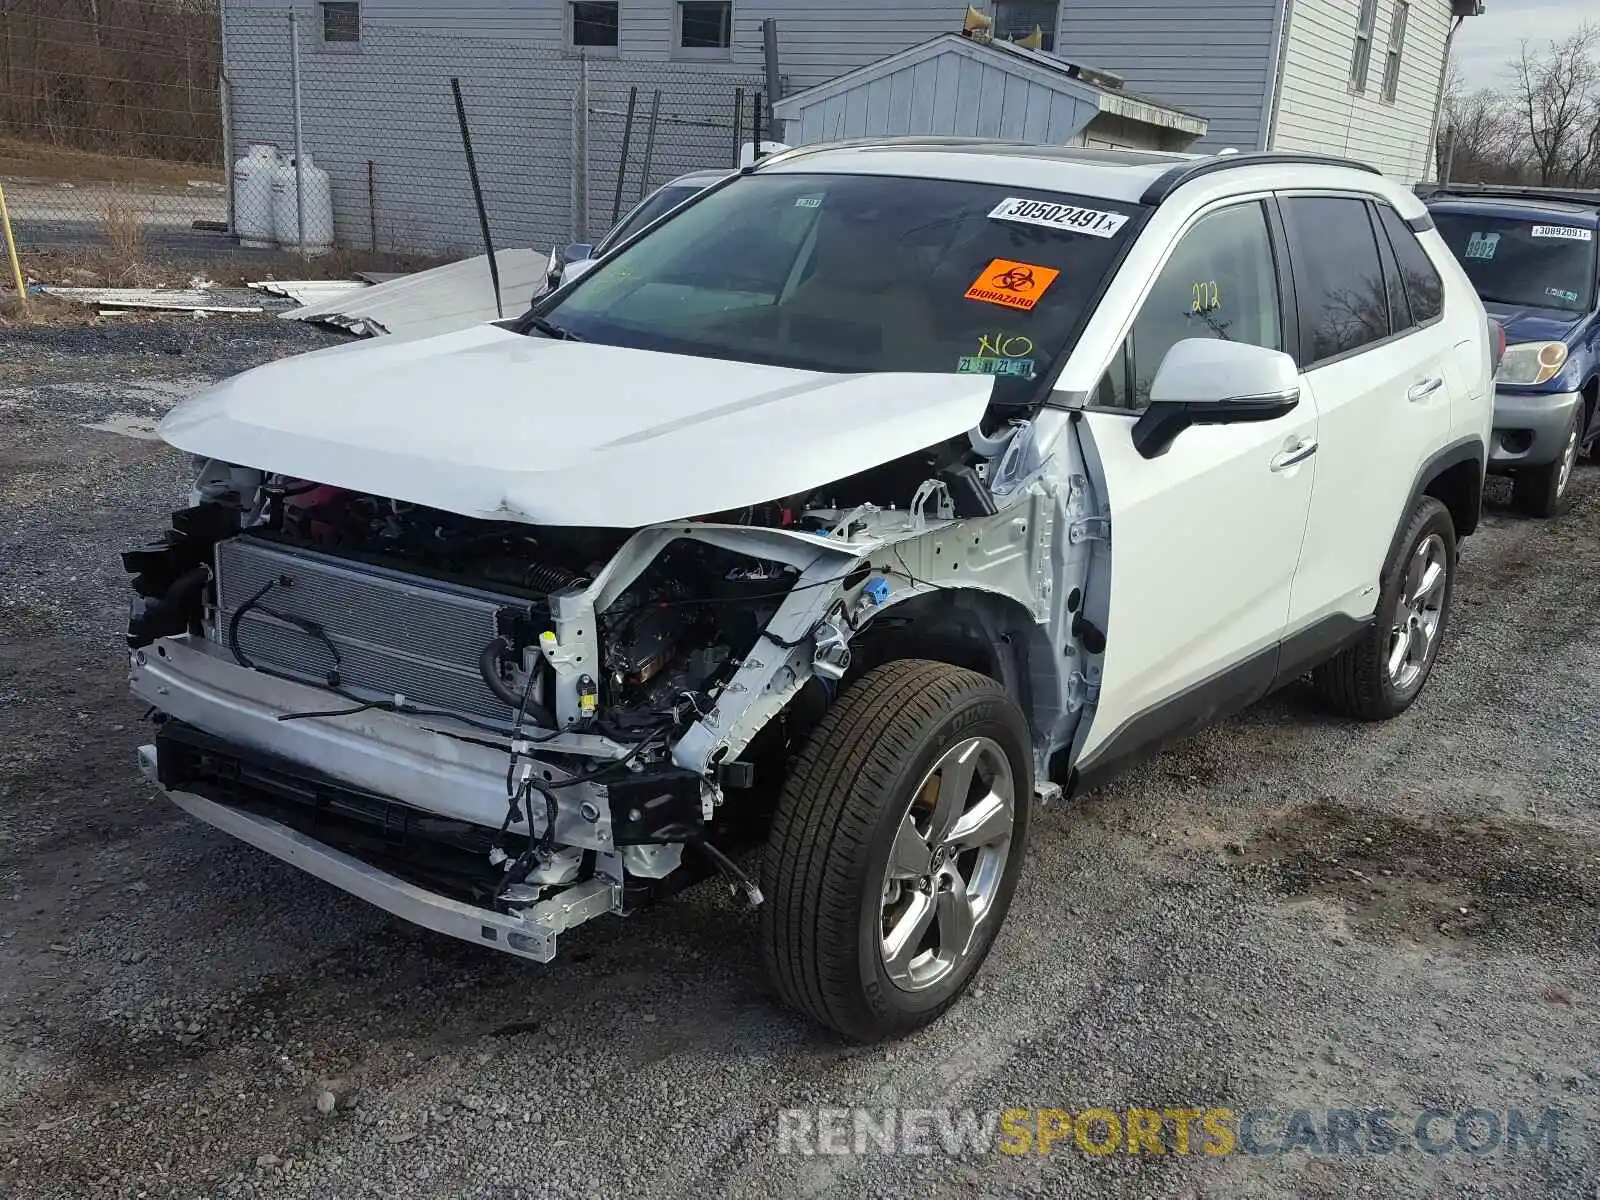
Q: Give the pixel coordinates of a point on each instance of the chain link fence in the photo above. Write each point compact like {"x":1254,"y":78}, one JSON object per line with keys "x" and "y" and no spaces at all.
{"x":110,"y":121}
{"x":349,"y":135}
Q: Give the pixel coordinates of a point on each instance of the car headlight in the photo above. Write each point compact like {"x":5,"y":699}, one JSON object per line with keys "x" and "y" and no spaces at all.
{"x":1532,"y":363}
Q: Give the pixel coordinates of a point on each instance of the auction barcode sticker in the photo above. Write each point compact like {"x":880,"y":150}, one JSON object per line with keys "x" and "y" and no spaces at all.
{"x":1068,"y":218}
{"x":1571,"y":233}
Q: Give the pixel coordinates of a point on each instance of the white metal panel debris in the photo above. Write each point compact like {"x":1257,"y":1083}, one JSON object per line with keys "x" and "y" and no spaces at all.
{"x":309,"y":291}
{"x":156,"y":299}
{"x":441,"y":300}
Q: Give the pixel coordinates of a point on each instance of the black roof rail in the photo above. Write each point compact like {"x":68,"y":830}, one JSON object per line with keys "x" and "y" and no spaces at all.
{"x":1586,"y":197}
{"x":1172,"y":180}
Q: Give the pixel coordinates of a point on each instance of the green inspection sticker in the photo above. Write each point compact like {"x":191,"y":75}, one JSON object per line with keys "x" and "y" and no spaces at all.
{"x":1022,"y":368}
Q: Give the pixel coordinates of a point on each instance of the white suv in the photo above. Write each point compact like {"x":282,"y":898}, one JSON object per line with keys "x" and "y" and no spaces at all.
{"x":878,"y":491}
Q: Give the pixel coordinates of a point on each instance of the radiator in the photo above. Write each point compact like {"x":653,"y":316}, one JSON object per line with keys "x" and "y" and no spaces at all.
{"x":395,"y":633}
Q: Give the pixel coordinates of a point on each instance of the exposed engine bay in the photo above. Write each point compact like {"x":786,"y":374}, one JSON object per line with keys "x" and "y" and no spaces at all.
{"x":539,"y":723}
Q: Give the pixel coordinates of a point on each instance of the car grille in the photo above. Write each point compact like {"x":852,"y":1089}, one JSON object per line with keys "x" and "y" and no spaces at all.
{"x":396,"y":634}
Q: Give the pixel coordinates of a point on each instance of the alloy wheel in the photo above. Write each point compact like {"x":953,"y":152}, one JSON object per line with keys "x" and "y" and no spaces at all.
{"x":1419,"y":613}
{"x":1569,"y":456}
{"x":946,"y":863}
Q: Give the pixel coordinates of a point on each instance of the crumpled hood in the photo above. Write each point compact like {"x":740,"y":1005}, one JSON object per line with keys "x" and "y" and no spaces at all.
{"x":1533,"y":324}
{"x":492,"y":424}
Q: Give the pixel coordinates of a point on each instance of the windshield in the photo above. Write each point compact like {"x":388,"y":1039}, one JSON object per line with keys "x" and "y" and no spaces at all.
{"x":655,"y":205}
{"x":856,"y":273}
{"x":1527,"y":262}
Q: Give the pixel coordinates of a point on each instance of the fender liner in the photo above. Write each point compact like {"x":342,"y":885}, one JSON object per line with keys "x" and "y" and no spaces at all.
{"x":1468,"y":449}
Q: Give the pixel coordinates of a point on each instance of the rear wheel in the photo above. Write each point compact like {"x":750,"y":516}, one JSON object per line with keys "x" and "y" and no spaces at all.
{"x":1384,"y":672}
{"x":895,"y":848}
{"x":1546,"y":491}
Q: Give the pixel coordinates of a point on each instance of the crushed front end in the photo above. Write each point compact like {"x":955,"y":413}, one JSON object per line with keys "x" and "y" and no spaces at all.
{"x":492,"y":729}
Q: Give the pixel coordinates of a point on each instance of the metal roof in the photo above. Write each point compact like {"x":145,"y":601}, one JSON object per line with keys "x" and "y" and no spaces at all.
{"x":1047,"y":70}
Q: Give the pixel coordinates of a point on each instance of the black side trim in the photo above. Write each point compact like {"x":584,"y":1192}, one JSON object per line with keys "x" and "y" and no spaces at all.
{"x":1172,"y":180}
{"x":1316,"y":644}
{"x":1188,"y":712}
{"x":1211,"y":700}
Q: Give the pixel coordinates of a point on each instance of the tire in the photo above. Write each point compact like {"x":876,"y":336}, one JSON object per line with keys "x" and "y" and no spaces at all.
{"x":863,"y":778}
{"x":1360,"y":681}
{"x":1546,"y":491}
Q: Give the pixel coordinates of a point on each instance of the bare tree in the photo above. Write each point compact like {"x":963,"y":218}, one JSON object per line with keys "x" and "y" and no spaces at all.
{"x":1480,"y":136}
{"x":1555,"y":93}
{"x":130,"y":77}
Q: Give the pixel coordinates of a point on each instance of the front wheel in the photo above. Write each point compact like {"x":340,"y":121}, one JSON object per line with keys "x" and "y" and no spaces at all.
{"x":1380,"y":676}
{"x":895,"y":848}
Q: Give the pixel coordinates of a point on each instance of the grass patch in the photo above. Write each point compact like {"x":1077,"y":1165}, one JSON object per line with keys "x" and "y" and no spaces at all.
{"x":58,"y":164}
{"x":124,"y":244}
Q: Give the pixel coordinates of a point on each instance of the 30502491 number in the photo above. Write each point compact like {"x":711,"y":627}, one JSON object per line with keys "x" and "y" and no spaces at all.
{"x":1068,"y":218}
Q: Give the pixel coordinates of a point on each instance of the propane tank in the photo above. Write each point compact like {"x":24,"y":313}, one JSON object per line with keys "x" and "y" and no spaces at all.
{"x":319,"y":206}
{"x":252,"y":196}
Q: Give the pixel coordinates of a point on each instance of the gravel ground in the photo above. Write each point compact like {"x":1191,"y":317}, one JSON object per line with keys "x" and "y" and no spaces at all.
{"x":1288,"y":912}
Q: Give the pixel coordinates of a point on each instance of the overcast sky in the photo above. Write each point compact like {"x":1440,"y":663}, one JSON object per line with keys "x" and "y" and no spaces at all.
{"x":1485,"y":43}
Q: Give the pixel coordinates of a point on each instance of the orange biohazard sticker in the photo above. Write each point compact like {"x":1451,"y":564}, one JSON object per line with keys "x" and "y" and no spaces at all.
{"x":1011,"y":284}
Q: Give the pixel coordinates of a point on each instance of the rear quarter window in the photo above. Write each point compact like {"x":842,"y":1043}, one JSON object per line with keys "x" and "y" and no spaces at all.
{"x":1424,"y":289}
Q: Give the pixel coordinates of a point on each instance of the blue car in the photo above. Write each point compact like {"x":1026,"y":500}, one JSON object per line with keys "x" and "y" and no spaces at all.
{"x":1531,"y":255}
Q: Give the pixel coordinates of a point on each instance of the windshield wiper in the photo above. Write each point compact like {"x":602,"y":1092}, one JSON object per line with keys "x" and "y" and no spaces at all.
{"x":550,"y":329}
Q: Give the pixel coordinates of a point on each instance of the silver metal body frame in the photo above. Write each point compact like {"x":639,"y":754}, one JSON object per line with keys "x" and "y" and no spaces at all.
{"x":1011,"y":572}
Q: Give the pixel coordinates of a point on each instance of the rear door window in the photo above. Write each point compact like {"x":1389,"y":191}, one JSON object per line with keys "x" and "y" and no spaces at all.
{"x":1399,"y":305}
{"x":1338,"y":276}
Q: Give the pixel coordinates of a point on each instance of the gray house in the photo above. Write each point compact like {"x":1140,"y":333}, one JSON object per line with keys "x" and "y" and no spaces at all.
{"x":548,"y":83}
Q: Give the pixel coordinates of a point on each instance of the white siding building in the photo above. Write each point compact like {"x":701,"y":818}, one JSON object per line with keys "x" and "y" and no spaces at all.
{"x":1361,"y":78}
{"x":376,"y":109}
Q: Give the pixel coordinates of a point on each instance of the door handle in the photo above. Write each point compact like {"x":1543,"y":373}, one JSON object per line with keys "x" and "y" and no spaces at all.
{"x":1421,"y":391}
{"x":1297,"y":454}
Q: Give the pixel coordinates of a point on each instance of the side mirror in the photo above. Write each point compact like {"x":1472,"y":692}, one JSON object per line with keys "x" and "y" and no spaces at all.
{"x":1203,"y":381}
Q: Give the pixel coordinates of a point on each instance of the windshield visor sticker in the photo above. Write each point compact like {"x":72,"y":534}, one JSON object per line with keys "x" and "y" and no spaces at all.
{"x":1020,"y":368}
{"x":1483,"y":245}
{"x":1012,"y":284}
{"x":1569,"y":233}
{"x":1558,"y":294}
{"x":808,"y":202}
{"x":1068,"y":218}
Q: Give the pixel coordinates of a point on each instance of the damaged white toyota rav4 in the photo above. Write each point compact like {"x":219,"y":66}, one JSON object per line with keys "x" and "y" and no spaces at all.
{"x":874,"y":495}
